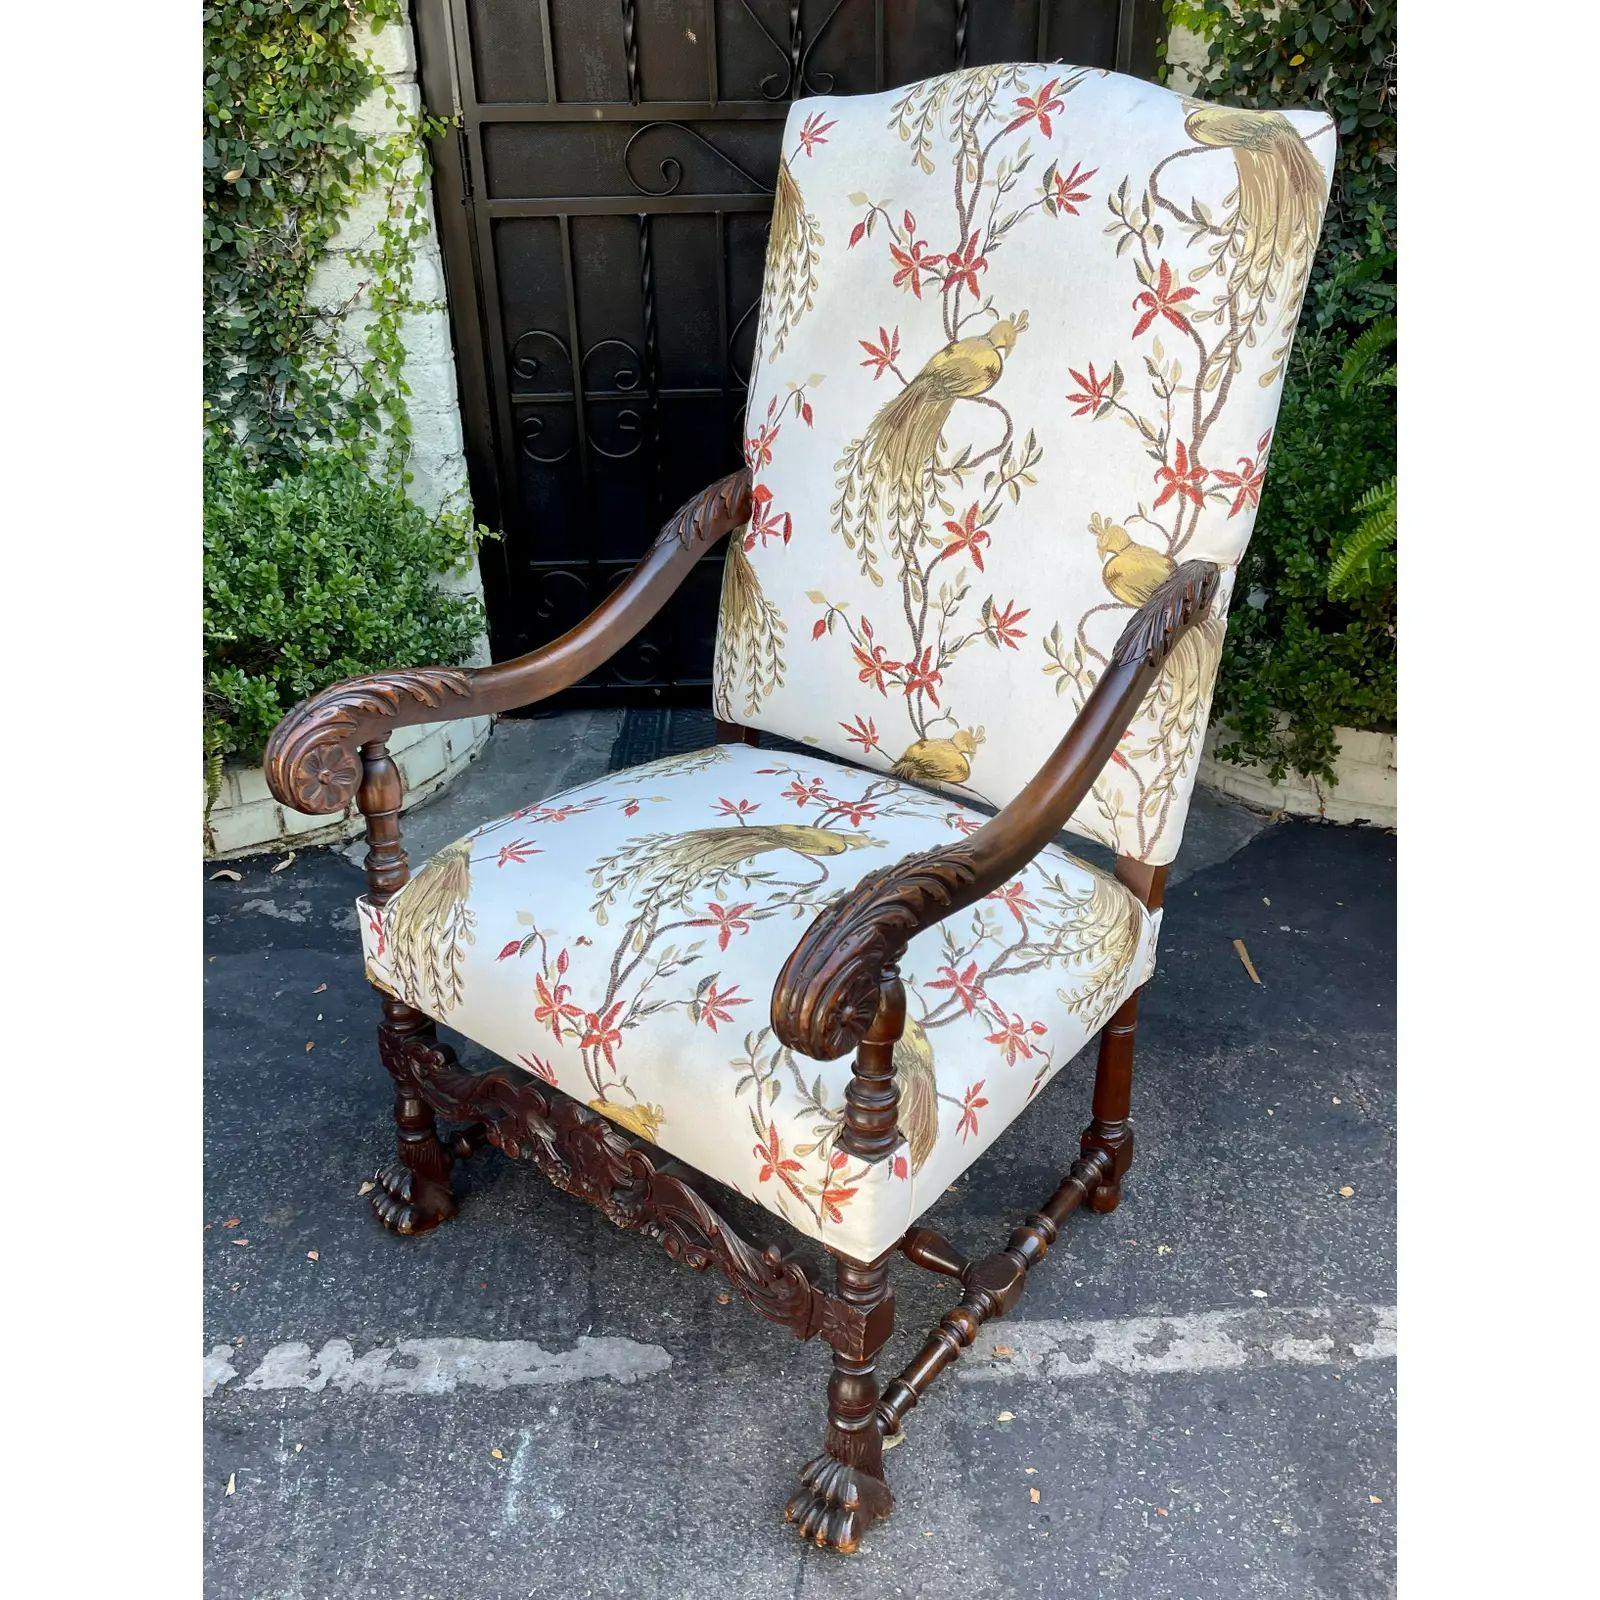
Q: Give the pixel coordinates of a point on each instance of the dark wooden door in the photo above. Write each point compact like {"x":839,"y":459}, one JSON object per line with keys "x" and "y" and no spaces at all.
{"x":603,"y":204}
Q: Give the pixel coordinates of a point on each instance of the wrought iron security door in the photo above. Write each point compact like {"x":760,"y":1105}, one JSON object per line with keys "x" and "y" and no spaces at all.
{"x":603,"y":203}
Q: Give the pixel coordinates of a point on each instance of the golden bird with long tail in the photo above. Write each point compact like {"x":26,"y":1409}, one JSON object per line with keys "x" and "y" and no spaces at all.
{"x":914,"y":1078}
{"x":429,"y":925}
{"x":884,"y":474}
{"x":1132,"y":572}
{"x":794,"y":247}
{"x":749,"y":637}
{"x":1280,"y":198}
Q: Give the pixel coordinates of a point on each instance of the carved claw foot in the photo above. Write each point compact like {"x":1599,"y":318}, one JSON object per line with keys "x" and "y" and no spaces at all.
{"x":837,"y":1503}
{"x":407,"y":1203}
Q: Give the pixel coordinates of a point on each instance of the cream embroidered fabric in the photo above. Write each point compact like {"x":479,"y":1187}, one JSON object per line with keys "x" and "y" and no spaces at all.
{"x":621,"y":941}
{"x":1021,"y":348}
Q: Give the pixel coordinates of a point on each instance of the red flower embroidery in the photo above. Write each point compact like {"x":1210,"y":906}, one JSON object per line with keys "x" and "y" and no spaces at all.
{"x":1092,"y":391}
{"x":375,"y":924}
{"x":1037,"y":108}
{"x":774,"y":1163}
{"x":965,"y":264}
{"x":1003,"y":620}
{"x":714,"y":1004}
{"x":1062,"y":194}
{"x":1012,"y":898}
{"x":914,"y":263}
{"x":803,"y":794}
{"x":735,"y":808}
{"x":1013,"y":1038}
{"x":901,"y":1167}
{"x":833,"y":1198}
{"x":813,"y":131}
{"x":971,"y":1104}
{"x":512,"y":949}
{"x":874,"y":667}
{"x":965,"y":984}
{"x":863,"y":733}
{"x":1159,"y":301}
{"x":858,"y":811}
{"x":548,"y":813}
{"x":553,"y":1007}
{"x":966,"y":535}
{"x":758,"y":448}
{"x":518,"y":851}
{"x":920,"y":674}
{"x":884,"y":354}
{"x":1183,"y":477}
{"x":765,"y":524}
{"x":1247,"y":481}
{"x":962,"y":825}
{"x":541,"y":1069}
{"x":602,"y":1033}
{"x":727,"y":920}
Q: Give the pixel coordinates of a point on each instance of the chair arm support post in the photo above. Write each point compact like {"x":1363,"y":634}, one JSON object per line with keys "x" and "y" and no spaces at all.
{"x":871,"y":1100}
{"x":827,"y":995}
{"x":313,"y":760}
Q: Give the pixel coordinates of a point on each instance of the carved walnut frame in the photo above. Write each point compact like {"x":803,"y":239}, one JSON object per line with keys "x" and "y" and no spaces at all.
{"x":839,"y":991}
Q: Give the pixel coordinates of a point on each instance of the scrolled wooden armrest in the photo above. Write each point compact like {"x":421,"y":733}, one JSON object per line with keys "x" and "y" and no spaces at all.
{"x":825,"y":997}
{"x":313,"y":760}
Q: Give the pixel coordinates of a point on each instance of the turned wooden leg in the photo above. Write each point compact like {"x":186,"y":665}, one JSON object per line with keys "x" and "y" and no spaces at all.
{"x":413,"y":1192}
{"x":842,"y":1491}
{"x":1110,"y":1131}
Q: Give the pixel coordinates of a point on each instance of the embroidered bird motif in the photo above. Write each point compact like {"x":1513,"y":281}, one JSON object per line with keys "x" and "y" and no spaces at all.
{"x":1281,"y":190}
{"x":884,"y":475}
{"x":919,"y":1092}
{"x":1132,"y":572}
{"x":794,"y":247}
{"x":430,"y":925}
{"x":642,"y":1119}
{"x":664,"y":870}
{"x":940,"y":760}
{"x":1174,"y":716}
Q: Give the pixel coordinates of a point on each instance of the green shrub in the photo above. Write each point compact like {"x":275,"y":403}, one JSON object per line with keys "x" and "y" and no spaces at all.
{"x":1300,"y":663}
{"x":1311,"y":644}
{"x":318,"y":575}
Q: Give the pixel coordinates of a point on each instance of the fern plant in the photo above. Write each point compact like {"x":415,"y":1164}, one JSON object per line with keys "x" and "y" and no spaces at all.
{"x":1366,"y":559}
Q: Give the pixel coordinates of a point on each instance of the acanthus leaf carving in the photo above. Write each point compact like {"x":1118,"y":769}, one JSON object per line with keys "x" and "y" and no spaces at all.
{"x":711,"y":513}
{"x":828,"y":991}
{"x":1174,"y":606}
{"x":583,"y":1154}
{"x":313,"y":759}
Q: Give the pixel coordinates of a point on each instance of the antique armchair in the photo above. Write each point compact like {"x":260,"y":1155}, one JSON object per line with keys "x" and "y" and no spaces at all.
{"x":1022,"y":338}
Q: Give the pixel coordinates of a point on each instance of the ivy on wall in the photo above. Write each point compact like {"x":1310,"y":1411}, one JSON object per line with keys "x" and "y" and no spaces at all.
{"x":317,"y":565}
{"x":1313,"y":647}
{"x":284,"y":165}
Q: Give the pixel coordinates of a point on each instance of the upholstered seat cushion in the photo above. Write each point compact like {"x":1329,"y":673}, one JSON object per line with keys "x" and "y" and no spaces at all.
{"x":621,"y":940}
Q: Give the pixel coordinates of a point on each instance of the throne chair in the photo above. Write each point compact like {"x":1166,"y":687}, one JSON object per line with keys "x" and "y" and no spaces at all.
{"x":1022,"y":337}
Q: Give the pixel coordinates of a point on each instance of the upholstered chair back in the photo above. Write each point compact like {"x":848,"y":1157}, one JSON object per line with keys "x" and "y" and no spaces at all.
{"x":1022,"y":340}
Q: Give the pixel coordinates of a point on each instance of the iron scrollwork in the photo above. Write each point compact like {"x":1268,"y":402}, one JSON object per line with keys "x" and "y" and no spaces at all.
{"x":671,"y":168}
